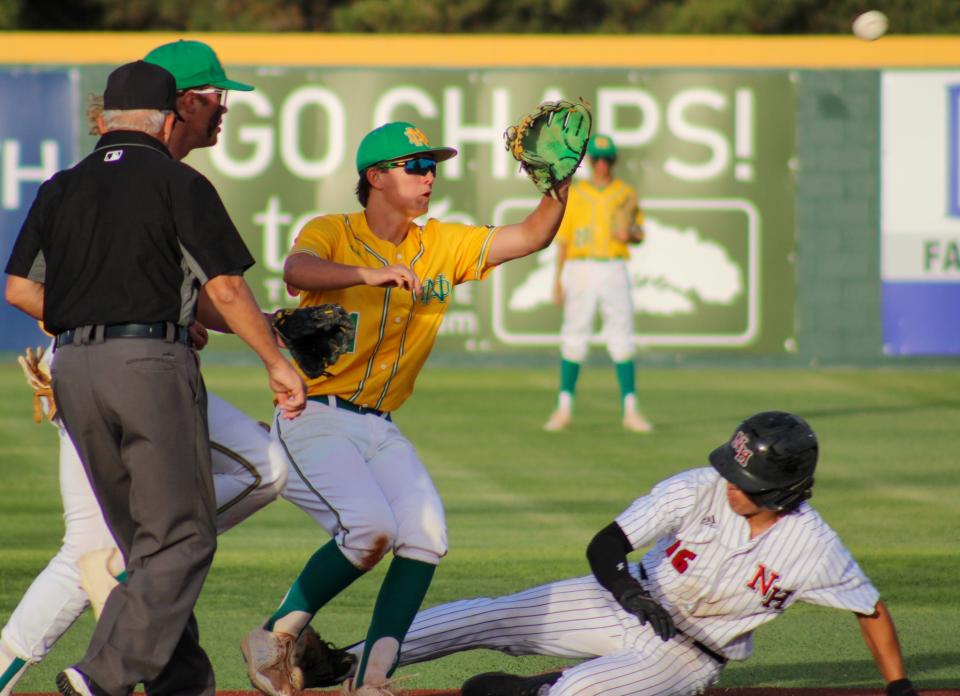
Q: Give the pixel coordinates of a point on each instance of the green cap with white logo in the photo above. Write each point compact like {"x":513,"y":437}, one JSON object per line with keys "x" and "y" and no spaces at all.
{"x":395,"y":140}
{"x":193,"y":64}
{"x":601,"y":146}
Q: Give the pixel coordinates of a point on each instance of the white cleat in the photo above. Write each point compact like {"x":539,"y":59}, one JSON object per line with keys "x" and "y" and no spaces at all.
{"x":97,"y":578}
{"x":559,"y":420}
{"x":71,"y":682}
{"x":636,"y":423}
{"x":270,"y":662}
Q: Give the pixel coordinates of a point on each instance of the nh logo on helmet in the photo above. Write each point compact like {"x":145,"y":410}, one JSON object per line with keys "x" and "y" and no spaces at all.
{"x":741,"y":448}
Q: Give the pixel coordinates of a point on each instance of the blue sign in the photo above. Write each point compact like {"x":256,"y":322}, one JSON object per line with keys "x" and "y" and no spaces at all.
{"x":953,"y":150}
{"x":38,"y":122}
{"x":921,"y":318}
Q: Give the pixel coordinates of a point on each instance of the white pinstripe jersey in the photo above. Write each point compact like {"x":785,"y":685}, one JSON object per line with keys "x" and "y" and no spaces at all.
{"x":718,"y":583}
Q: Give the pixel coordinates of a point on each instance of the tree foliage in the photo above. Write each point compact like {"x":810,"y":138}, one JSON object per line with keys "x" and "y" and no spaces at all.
{"x":480,"y":16}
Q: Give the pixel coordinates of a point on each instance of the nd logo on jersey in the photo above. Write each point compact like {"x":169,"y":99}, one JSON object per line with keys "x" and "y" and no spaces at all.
{"x":438,"y":288}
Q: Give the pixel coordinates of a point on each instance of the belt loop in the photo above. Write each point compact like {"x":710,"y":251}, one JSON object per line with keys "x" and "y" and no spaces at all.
{"x":169,"y":335}
{"x":332,"y":400}
{"x":98,"y":333}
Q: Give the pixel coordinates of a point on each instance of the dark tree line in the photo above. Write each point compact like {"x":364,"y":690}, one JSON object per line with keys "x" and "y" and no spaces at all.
{"x":480,"y":16}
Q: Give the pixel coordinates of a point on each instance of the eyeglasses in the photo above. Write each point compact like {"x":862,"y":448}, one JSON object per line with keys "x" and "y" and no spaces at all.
{"x":419,"y":166}
{"x":220,"y":92}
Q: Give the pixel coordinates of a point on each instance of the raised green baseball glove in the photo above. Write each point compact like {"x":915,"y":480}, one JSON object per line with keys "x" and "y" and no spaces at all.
{"x":315,"y":336}
{"x":551,"y":142}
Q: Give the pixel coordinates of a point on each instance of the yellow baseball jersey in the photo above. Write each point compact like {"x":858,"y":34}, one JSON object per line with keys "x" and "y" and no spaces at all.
{"x":586,"y":229}
{"x":394,"y":330}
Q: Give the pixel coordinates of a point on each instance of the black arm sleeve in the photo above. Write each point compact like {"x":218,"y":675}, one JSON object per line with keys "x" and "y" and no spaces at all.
{"x":607,"y":554}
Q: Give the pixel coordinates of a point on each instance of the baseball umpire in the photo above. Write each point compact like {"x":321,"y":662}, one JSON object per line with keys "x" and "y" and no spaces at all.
{"x":112,"y":255}
{"x":352,"y":469}
{"x":249,"y":467}
{"x":735,"y":545}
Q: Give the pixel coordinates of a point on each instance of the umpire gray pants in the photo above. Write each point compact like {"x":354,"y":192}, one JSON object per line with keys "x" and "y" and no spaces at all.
{"x":136,"y":410}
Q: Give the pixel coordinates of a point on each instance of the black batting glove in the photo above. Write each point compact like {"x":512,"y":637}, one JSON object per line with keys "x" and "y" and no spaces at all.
{"x":901,"y":687}
{"x":635,"y":600}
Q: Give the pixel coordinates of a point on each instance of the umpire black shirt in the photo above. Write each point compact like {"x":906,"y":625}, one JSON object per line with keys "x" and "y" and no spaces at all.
{"x":128,"y":235}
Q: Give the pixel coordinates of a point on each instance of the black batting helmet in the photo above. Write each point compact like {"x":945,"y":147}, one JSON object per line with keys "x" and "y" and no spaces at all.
{"x":771,"y":458}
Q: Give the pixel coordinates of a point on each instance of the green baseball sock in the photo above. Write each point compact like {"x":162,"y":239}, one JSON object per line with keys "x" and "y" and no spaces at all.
{"x":401,"y":595}
{"x":569,"y":371}
{"x":14,"y":669}
{"x":326,"y":574}
{"x":626,"y":379}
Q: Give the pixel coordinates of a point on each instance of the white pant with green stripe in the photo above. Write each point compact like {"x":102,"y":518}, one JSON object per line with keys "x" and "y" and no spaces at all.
{"x":362,"y":481}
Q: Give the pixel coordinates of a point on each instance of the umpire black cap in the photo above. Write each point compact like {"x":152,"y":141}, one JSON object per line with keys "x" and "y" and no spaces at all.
{"x":771,"y":457}
{"x":140,"y":85}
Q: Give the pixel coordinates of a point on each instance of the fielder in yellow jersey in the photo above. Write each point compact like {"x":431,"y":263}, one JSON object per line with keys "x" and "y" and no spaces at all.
{"x":351,"y":469}
{"x":395,"y":328}
{"x":602,"y":218}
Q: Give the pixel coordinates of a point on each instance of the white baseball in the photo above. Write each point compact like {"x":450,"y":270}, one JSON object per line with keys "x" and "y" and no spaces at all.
{"x":871,"y":25}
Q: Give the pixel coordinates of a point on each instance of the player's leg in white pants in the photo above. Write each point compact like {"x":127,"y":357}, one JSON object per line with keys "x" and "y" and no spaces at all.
{"x":651,"y":667}
{"x":582,"y":281}
{"x":362,"y":481}
{"x":249,"y":472}
{"x":569,"y":618}
{"x":616,"y":311}
{"x":249,"y":467}
{"x":55,"y":599}
{"x":573,"y":618}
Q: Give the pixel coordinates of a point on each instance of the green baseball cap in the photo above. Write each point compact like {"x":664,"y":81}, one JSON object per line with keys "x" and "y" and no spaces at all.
{"x":395,"y":140}
{"x":601,"y":146}
{"x":193,"y":64}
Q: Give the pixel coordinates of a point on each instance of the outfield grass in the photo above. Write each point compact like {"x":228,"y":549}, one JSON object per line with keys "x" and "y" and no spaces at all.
{"x":522,"y":504}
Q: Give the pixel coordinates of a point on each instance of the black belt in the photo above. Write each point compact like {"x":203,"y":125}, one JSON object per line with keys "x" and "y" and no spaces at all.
{"x":337,"y":402}
{"x":697,"y":644}
{"x":707,"y":651}
{"x":158,"y":331}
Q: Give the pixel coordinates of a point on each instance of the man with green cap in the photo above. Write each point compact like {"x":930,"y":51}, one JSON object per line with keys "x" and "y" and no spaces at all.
{"x":603,"y":217}
{"x":352,"y":469}
{"x":202,"y":88}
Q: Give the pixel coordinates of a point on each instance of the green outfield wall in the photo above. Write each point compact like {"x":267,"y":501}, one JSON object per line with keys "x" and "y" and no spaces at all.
{"x":758,"y":163}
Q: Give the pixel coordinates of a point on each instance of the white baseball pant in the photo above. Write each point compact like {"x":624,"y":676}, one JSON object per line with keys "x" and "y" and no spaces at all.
{"x":574,"y":618}
{"x":587,"y":286}
{"x":361,"y":480}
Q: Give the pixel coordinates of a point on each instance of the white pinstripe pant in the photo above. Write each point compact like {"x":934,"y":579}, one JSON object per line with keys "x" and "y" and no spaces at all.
{"x":573,"y":618}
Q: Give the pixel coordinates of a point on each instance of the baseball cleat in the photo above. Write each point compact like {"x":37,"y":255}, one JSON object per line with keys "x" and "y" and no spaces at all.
{"x":96,"y":577}
{"x":72,"y":682}
{"x":318,"y":663}
{"x":270,"y":662}
{"x":636,"y":423}
{"x":559,"y":420}
{"x":503,"y":684}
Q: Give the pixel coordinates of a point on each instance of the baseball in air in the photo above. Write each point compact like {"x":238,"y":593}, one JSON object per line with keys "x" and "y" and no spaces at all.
{"x":871,"y":25}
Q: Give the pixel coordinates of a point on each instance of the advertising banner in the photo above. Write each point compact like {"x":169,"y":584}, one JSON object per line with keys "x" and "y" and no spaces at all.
{"x":38,"y":121}
{"x":709,"y":152}
{"x":920,"y":221}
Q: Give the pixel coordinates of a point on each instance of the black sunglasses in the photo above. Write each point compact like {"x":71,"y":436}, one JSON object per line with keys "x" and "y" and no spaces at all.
{"x":419,"y":166}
